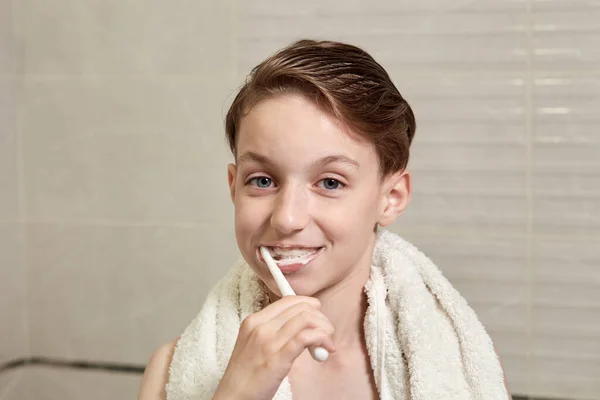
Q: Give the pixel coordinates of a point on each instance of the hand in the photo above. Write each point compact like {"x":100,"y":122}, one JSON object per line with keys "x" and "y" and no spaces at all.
{"x":267,"y":345}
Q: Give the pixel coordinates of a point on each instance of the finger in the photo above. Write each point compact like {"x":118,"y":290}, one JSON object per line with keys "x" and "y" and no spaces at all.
{"x":304,"y":321}
{"x":273,"y":310}
{"x":295,"y":311}
{"x":307,"y":338}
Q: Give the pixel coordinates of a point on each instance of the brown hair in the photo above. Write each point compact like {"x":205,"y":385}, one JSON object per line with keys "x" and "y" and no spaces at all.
{"x":345,"y":81}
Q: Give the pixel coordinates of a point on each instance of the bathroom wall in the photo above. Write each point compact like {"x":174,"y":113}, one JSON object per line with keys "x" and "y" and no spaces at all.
{"x":114,"y":212}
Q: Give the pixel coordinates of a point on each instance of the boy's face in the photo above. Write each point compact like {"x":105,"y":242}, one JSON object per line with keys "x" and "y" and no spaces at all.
{"x":309,"y":191}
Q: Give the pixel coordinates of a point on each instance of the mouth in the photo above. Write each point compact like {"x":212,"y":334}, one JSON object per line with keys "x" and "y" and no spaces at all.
{"x":291,"y":257}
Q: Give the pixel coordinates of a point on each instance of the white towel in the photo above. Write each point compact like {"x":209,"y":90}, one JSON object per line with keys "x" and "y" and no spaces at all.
{"x":424,"y":341}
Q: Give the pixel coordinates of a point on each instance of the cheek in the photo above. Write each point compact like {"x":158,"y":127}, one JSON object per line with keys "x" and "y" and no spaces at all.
{"x":245,"y":232}
{"x":354,"y":213}
{"x":249,"y":217}
{"x":244,"y":221}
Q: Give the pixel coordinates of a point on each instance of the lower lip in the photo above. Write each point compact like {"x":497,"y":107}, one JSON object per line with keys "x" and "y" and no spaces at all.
{"x":291,"y":268}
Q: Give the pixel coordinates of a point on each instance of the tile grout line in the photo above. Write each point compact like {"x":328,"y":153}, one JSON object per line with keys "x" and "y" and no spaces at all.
{"x":18,"y":222}
{"x":21,"y":188}
{"x":529,"y":107}
{"x":236,"y":35}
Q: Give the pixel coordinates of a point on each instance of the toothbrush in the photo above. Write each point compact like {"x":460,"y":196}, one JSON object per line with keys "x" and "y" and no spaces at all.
{"x":318,"y":353}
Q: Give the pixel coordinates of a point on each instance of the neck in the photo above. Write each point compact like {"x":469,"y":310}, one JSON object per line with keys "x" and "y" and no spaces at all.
{"x":345,"y":302}
{"x":345,"y":305}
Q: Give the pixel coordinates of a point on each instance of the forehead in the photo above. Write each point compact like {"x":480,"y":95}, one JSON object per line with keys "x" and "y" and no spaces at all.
{"x":291,"y":128}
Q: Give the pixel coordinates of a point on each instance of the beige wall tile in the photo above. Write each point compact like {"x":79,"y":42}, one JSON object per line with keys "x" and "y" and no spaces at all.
{"x":276,"y":8}
{"x":567,"y":321}
{"x":513,"y":348}
{"x":13,"y":385}
{"x":431,"y":36}
{"x":565,"y":364}
{"x":469,"y":170}
{"x":76,"y":37}
{"x":565,"y":36}
{"x":9,"y":208}
{"x":551,"y":342}
{"x":565,"y":162}
{"x":560,"y":260}
{"x":14,"y":329}
{"x":44,"y":383}
{"x":138,"y":37}
{"x":566,"y":378}
{"x":566,"y":318}
{"x":76,"y":108}
{"x":10,"y":51}
{"x":463,"y":257}
{"x":201,"y":42}
{"x":517,"y":372}
{"x":141,"y":150}
{"x":565,"y":288}
{"x":115,"y":293}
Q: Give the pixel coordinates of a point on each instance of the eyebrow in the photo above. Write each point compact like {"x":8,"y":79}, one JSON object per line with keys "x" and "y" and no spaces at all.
{"x":336,"y":159}
{"x":251,"y":156}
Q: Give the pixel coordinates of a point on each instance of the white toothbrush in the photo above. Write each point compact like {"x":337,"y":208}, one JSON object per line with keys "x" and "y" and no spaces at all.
{"x":318,"y":353}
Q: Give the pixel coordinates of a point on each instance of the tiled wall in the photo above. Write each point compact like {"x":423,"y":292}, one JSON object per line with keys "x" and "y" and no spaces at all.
{"x":114,"y":212}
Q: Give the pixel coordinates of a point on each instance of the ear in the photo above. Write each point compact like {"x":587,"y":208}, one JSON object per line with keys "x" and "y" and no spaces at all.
{"x":395,"y":197}
{"x":231,"y":172}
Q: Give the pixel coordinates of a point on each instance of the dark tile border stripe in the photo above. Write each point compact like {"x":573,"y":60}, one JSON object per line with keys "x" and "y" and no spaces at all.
{"x":518,"y":397}
{"x":85,"y":365}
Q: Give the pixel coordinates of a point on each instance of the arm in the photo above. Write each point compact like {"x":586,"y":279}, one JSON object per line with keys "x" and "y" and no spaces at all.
{"x":156,"y":374}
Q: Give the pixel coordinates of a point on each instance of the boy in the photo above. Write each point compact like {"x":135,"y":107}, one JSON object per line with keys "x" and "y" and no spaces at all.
{"x":321,"y":140}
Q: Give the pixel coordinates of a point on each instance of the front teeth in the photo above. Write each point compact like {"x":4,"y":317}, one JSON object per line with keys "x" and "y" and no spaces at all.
{"x":292,"y":256}
{"x":287,"y":254}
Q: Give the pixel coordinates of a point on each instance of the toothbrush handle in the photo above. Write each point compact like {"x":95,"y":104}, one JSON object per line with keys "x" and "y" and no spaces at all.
{"x":318,"y":353}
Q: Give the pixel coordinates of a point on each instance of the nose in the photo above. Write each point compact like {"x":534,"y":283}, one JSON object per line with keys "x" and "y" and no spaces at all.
{"x":291,"y":211}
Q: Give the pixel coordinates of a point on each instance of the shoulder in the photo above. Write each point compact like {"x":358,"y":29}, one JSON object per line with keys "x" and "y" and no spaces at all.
{"x":156,"y":374}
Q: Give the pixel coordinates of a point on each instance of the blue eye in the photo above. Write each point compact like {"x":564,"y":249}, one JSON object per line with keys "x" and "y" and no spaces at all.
{"x":331,"y":184}
{"x":261,"y":182}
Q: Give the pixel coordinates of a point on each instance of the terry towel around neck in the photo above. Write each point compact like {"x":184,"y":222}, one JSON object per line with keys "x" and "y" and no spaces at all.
{"x":423,"y":339}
